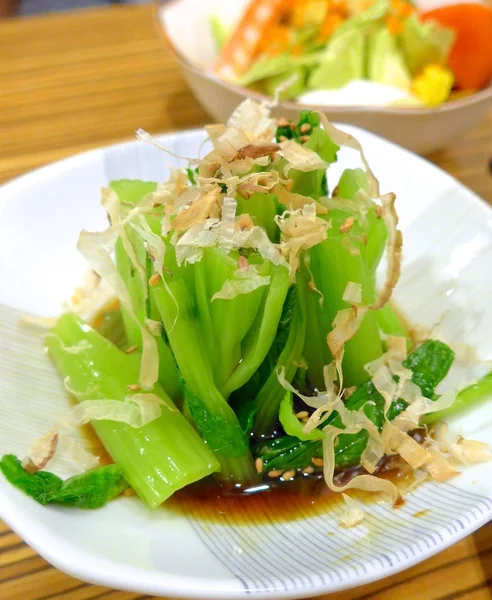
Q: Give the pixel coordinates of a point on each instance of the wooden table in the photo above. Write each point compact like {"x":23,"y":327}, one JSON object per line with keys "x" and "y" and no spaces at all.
{"x":75,"y":81}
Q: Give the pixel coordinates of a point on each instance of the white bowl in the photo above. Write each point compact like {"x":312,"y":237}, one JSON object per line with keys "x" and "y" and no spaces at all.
{"x":186,"y":29}
{"x":448,"y":253}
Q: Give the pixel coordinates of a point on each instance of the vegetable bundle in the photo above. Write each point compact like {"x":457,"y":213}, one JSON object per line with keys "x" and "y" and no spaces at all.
{"x":256,"y":343}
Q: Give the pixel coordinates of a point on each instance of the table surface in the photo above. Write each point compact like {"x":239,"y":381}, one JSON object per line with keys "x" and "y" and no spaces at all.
{"x":70,"y":82}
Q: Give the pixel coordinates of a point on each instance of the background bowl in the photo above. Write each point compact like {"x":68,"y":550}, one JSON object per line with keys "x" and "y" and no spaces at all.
{"x":185,"y":24}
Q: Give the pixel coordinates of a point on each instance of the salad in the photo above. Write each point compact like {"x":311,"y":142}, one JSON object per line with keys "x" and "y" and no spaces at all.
{"x":353,"y":52}
{"x":243,"y":337}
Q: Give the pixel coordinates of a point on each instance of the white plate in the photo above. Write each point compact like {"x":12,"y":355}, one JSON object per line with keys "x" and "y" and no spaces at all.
{"x":448,"y":252}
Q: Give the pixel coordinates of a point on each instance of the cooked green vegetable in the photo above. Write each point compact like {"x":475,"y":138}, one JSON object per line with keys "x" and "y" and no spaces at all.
{"x":429,"y":364}
{"x":248,"y":309}
{"x":471,"y":395}
{"x":156,"y":459}
{"x":92,"y":489}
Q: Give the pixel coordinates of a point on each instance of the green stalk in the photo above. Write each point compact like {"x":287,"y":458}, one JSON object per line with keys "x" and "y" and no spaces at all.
{"x":181,"y":324}
{"x":332,"y":267}
{"x":133,"y":285}
{"x":142,"y":307}
{"x":473,"y":394}
{"x":229,"y":320}
{"x":270,"y":396}
{"x":390,"y":323}
{"x":157,"y":459}
{"x":262,"y":333}
{"x":316,"y":352}
{"x":262,"y":209}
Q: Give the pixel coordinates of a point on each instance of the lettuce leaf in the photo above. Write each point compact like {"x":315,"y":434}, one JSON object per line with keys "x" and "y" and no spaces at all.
{"x":425,"y":43}
{"x":343,"y":61}
{"x":219,"y":31}
{"x":386,"y":63}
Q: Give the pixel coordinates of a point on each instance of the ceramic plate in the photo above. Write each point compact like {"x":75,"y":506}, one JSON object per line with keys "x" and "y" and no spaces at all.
{"x":446,"y":280}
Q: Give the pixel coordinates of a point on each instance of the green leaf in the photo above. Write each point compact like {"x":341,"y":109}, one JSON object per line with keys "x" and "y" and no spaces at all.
{"x":132,"y":191}
{"x":294,"y":89}
{"x":386,"y":63}
{"x":425,"y":43}
{"x":42,"y":486}
{"x":219,"y":30}
{"x":89,"y":490}
{"x":287,"y":452}
{"x":245,"y":410}
{"x":313,"y":183}
{"x":271,"y":67}
{"x":429,"y":363}
{"x":92,"y":489}
{"x":351,"y":181}
{"x":221,"y":435}
{"x":343,"y":61}
{"x":291,"y":424}
{"x":191,"y":175}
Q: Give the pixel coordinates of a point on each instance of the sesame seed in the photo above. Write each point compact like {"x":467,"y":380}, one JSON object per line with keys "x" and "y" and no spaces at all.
{"x":308,"y":470}
{"x":154,"y":280}
{"x":302,"y":414}
{"x":282,"y":122}
{"x":347,"y":226}
{"x":129,"y":492}
{"x":275,"y":473}
{"x":131,"y":349}
{"x":305,"y":127}
{"x":133,"y":387}
{"x":288,"y":475}
{"x":259,"y":465}
{"x":293,"y":126}
{"x":282,"y":138}
{"x":317,"y":462}
{"x":304,"y":138}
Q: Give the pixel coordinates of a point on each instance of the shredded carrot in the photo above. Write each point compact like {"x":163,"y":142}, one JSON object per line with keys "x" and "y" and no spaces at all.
{"x":340,"y":7}
{"x":306,"y":13}
{"x":253,"y":28}
{"x":394,"y":25}
{"x":471,"y":55}
{"x":406,"y":10}
{"x":332,"y":21}
{"x":401,"y":8}
{"x":297,"y":50}
{"x":277,"y":41}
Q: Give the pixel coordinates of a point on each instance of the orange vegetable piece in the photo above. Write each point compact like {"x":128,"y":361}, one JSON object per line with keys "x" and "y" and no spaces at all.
{"x":394,"y":25}
{"x":332,"y":21}
{"x":402,"y":8}
{"x":277,"y":41}
{"x":253,"y":28}
{"x":471,"y":55}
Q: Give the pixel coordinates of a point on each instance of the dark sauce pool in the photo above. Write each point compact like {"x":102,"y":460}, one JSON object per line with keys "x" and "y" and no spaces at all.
{"x":270,"y":500}
{"x":277,"y":500}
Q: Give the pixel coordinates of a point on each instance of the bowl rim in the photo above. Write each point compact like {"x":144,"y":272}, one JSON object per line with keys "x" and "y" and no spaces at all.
{"x":469,"y":100}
